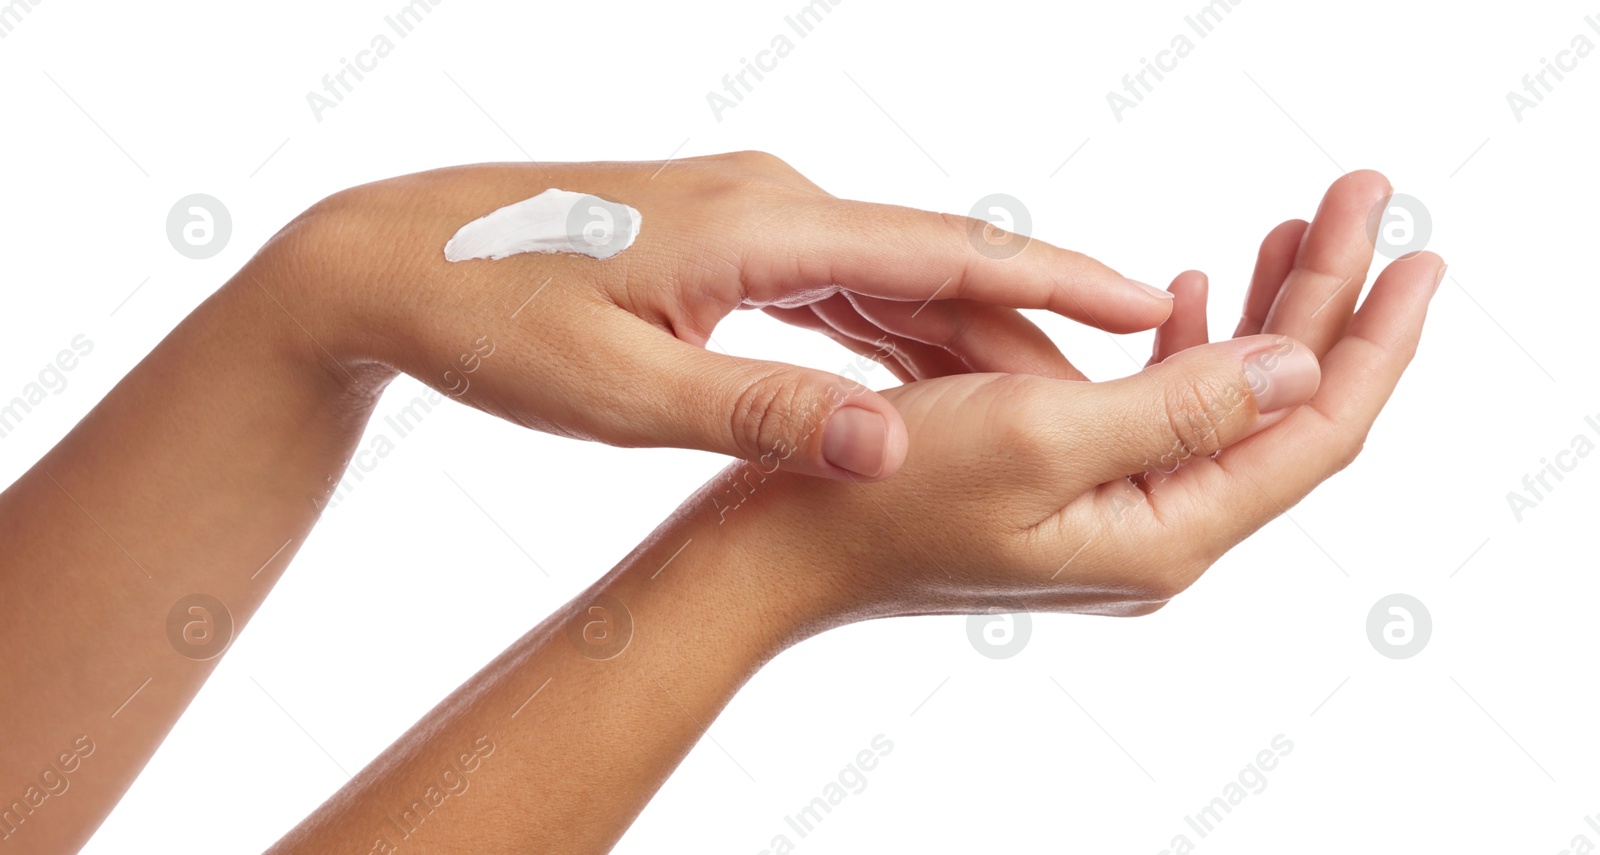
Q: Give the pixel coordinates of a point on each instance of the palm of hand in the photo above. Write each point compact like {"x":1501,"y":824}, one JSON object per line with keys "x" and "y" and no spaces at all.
{"x":1060,"y":494}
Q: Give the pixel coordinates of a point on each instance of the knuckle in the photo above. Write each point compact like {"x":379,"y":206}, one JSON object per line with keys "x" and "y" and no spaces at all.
{"x":740,"y":203}
{"x":1349,"y":450}
{"x":751,"y":194}
{"x":1196,"y":415}
{"x":965,"y":229}
{"x":1034,"y":428}
{"x":759,"y":161}
{"x":765,"y":415}
{"x":948,"y":323}
{"x":331,"y":225}
{"x":344,"y":205}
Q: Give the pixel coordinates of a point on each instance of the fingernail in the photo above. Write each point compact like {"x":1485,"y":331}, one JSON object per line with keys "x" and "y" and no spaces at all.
{"x":1437,"y":282}
{"x":1283,"y":375}
{"x":855,"y":440}
{"x":1152,"y":290}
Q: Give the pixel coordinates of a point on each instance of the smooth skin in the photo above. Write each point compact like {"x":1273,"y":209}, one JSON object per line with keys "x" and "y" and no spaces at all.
{"x":1055,"y":494}
{"x":205,"y":468}
{"x":620,"y":348}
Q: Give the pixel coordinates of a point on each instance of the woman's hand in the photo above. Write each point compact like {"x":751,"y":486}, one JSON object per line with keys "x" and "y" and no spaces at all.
{"x":1113,"y":497}
{"x":615,"y":350}
{"x":1020,"y":491}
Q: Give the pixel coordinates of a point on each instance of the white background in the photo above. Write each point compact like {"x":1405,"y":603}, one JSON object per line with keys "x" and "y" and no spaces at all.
{"x":1483,"y":742}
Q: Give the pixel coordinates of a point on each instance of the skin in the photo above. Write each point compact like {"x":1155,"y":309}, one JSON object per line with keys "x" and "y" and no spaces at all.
{"x":1049,"y":493}
{"x":719,"y":234}
{"x":205,"y":468}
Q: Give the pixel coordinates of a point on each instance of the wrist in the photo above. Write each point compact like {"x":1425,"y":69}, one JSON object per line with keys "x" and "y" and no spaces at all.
{"x":736,"y":576}
{"x":297,"y":291}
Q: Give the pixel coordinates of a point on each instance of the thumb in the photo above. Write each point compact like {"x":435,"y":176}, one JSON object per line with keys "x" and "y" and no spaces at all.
{"x":1198,"y":402}
{"x":773,"y":414}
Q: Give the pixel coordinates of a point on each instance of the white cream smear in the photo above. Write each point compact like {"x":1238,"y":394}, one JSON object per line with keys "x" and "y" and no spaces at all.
{"x":553,"y":221}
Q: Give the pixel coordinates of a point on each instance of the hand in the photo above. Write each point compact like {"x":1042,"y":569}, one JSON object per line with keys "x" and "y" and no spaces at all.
{"x":1021,"y":491}
{"x":1113,"y":497}
{"x":615,"y":350}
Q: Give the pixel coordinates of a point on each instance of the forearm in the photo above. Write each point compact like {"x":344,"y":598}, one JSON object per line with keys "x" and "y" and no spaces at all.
{"x":577,"y":743}
{"x":199,"y":474}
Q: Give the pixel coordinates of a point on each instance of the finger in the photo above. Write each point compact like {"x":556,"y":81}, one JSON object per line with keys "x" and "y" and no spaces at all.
{"x":805,"y":318}
{"x":1188,"y":407}
{"x":906,"y":254}
{"x":1258,"y":479}
{"x":1380,"y":343}
{"x":1273,"y":264}
{"x":986,"y":338}
{"x":919,"y":361}
{"x":1187,"y":326}
{"x":924,"y":360}
{"x":1316,"y":299}
{"x":666,"y":392}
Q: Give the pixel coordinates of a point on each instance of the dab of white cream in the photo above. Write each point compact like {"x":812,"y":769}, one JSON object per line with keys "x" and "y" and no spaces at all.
{"x":553,"y":221}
